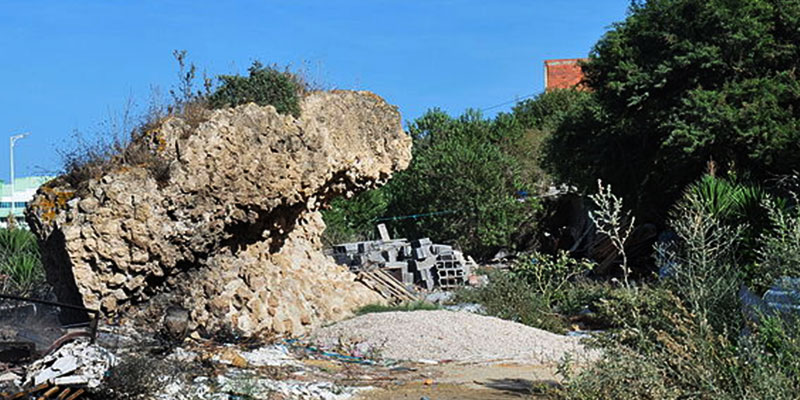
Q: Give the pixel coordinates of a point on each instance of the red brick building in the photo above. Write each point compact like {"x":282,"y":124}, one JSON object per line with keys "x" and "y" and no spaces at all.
{"x":562,"y":74}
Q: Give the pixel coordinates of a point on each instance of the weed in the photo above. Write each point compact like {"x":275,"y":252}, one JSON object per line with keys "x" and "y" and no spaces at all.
{"x":550,"y":275}
{"x":412,"y":306}
{"x":130,"y":143}
{"x":510,"y":297}
{"x":686,"y":337}
{"x":612,"y":221}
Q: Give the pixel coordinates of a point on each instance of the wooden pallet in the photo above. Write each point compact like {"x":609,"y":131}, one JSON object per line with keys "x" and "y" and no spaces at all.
{"x":45,"y":391}
{"x":382,"y":282}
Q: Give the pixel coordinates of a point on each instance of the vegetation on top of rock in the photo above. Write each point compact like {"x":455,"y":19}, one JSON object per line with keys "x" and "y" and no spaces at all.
{"x":265,"y":85}
{"x":135,"y":142}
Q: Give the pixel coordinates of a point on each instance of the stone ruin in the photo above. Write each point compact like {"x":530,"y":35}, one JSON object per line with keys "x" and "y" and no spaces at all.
{"x":233,"y":236}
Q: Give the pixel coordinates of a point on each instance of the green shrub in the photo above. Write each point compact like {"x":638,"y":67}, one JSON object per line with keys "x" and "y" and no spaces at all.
{"x":684,"y":357}
{"x":703,"y":264}
{"x":354,"y":219}
{"x":549,"y":276}
{"x":265,"y":85}
{"x":461,"y":187}
{"x":510,"y":297}
{"x":779,"y":253}
{"x":21,"y":268}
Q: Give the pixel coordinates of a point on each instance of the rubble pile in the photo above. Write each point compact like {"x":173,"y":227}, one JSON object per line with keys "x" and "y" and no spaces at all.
{"x":231,"y":231}
{"x":75,"y":363}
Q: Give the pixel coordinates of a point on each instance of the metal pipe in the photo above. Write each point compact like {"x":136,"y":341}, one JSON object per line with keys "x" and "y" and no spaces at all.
{"x":95,"y":314}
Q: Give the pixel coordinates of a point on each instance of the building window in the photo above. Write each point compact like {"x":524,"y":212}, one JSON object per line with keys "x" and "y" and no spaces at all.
{"x":5,"y":204}
{"x":20,"y":204}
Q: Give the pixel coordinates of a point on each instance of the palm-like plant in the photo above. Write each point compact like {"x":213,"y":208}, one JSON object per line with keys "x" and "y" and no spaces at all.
{"x":20,"y":264}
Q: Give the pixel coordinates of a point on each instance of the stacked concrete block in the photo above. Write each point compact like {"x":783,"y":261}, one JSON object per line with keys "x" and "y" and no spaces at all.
{"x":418,"y":262}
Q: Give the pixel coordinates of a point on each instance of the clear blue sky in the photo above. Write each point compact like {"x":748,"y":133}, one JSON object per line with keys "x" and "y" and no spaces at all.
{"x":71,"y":65}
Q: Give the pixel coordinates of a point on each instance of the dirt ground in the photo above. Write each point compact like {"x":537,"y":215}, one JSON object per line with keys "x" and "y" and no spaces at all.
{"x":470,"y":381}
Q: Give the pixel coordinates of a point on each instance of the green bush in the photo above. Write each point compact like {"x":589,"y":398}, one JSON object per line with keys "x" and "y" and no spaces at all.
{"x":20,"y":264}
{"x":703,"y":264}
{"x":550,"y":276}
{"x":779,"y":254}
{"x":265,"y":85}
{"x":461,"y":184}
{"x":509,"y":297}
{"x":684,"y":357}
{"x":354,"y":219}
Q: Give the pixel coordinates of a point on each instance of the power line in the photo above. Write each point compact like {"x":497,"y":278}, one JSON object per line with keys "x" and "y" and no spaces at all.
{"x":509,"y":102}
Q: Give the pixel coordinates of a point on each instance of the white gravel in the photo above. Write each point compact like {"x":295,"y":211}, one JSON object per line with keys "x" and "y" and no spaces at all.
{"x":449,"y":335}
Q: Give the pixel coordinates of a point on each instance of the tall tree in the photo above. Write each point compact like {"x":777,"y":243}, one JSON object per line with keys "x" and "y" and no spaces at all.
{"x":680,"y":83}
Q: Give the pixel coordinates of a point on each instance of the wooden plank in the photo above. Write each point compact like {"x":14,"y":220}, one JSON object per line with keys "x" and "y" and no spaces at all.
{"x":385,"y":284}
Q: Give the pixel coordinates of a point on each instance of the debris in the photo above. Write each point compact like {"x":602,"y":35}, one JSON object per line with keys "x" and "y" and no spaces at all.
{"x":784,"y":295}
{"x":16,"y":352}
{"x":269,"y":356}
{"x":230,"y":356}
{"x":9,"y":377}
{"x":417,"y":262}
{"x":473,"y":308}
{"x":258,"y":387}
{"x":439,"y":297}
{"x":176,"y":322}
{"x":89,"y":362}
{"x":71,"y":380}
{"x":382,"y":282}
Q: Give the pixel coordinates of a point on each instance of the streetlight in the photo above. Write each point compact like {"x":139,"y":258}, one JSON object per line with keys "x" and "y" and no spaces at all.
{"x":11,"y":141}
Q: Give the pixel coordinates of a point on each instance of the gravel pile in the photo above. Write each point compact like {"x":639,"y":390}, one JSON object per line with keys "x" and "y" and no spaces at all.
{"x":448,"y":335}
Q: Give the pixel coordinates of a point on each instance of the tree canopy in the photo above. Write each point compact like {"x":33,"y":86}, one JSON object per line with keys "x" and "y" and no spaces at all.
{"x":680,"y":83}
{"x":462,"y":187}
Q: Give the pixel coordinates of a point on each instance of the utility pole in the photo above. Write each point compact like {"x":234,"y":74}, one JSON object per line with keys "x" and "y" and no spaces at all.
{"x":11,"y":141}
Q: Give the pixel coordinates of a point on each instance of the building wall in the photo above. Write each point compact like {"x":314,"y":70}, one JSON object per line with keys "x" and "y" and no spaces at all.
{"x":24,"y":189}
{"x":562,"y":74}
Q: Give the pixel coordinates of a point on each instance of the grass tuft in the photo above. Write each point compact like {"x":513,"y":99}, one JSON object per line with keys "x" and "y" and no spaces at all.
{"x":413,"y":306}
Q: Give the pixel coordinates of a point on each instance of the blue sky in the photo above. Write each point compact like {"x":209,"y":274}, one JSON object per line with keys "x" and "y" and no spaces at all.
{"x":69,"y":66}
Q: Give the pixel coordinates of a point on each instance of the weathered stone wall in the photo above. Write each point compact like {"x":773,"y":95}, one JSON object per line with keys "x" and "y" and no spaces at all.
{"x":233,"y":234}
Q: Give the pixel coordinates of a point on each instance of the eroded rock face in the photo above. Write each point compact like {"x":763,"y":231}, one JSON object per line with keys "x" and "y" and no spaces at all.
{"x":233,"y":234}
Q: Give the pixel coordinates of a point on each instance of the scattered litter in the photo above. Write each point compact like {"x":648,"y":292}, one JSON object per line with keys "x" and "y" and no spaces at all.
{"x":439,"y":297}
{"x":337,"y":356}
{"x":9,"y":377}
{"x":474,"y":308}
{"x":257,"y":387}
{"x":270,"y":356}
